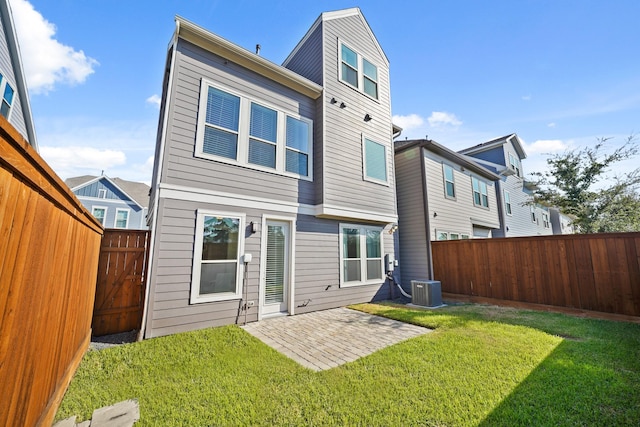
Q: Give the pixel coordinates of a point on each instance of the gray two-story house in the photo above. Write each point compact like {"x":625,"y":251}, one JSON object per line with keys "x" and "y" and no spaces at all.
{"x":442,"y":195}
{"x":518,"y":216}
{"x":273,"y":190}
{"x":14,"y":97}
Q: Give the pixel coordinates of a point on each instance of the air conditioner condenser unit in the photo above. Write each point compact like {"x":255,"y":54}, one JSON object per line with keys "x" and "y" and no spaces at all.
{"x":427,"y":293}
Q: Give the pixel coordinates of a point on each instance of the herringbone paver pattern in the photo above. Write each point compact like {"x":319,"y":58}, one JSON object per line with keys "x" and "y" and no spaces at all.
{"x":326,"y":339}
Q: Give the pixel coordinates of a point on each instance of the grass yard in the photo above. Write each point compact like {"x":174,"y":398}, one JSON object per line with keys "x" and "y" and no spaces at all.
{"x":482,"y":366}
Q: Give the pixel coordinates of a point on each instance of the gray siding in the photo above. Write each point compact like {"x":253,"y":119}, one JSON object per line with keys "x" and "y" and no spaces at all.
{"x":456,"y":215}
{"x":344,"y":185}
{"x":307,"y":60}
{"x":181,"y":167}
{"x":413,"y":255}
{"x":317,"y":271}
{"x":16,"y":115}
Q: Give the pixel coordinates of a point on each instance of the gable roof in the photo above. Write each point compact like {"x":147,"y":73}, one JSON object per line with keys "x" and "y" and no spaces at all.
{"x":199,"y":36}
{"x":138,"y":192}
{"x":16,"y":62}
{"x":513,"y":138}
{"x":460,"y":159}
{"x":337,"y":14}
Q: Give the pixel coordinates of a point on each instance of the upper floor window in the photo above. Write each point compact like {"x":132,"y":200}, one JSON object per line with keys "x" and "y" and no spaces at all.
{"x":449,"y":183}
{"x":100,"y":213}
{"x":236,"y":129}
{"x":102,"y":193}
{"x":480,"y":195}
{"x":545,"y":220}
{"x":533,"y":214}
{"x":514,"y":163}
{"x":375,"y":161}
{"x":122,"y":218}
{"x":7,"y":96}
{"x":507,"y":202}
{"x":358,"y":72}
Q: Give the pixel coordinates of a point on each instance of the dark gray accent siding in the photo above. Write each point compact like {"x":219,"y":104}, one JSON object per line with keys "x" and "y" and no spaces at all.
{"x":181,"y":167}
{"x":494,"y":155}
{"x":307,"y":60}
{"x":413,"y":239}
{"x":344,"y":185}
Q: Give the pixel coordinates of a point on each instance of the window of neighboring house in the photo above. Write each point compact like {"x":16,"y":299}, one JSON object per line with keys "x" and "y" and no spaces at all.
{"x":533,"y":214}
{"x":216,"y":264}
{"x":449,"y":183}
{"x":442,"y":235}
{"x":7,"y":97}
{"x":375,"y":161}
{"x":545,"y":220}
{"x":360,"y":254}
{"x":507,"y":202}
{"x":514,"y":162}
{"x":266,"y":139}
{"x":358,"y":72}
{"x":100,"y":213}
{"x":102,"y":193}
{"x":464,"y":236}
{"x":122,"y":218}
{"x":454,"y":236}
{"x":480,"y":195}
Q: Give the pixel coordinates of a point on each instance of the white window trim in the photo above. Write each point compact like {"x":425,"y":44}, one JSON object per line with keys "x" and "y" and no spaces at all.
{"x":363,"y":137}
{"x":363,"y":255}
{"x":104,"y":222}
{"x":444,"y":178}
{"x":534,"y":215}
{"x":518,"y":166}
{"x":102,"y":193}
{"x":480,"y":182}
{"x":195,"y":296}
{"x":506,"y":211}
{"x":115,"y":220}
{"x":243,"y":133}
{"x":545,"y":220}
{"x":3,"y":83}
{"x":461,"y":235}
{"x":360,"y":71}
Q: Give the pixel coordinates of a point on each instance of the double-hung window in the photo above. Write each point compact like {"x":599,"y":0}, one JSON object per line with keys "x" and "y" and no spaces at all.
{"x":449,"y":183}
{"x":360,"y":254}
{"x":122,"y":218}
{"x":480,"y":195}
{"x":358,"y":72}
{"x":7,"y":96}
{"x":533,"y":214}
{"x":507,"y":202}
{"x":375,"y":161}
{"x":216,"y":264}
{"x":545,"y":219}
{"x":100,"y":213}
{"x":515,"y":164}
{"x":237,"y":129}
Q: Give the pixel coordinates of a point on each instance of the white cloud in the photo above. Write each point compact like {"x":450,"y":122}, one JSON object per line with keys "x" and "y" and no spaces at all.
{"x":526,"y":98}
{"x":438,"y":118}
{"x":412,"y":121}
{"x":47,"y":62}
{"x":154,"y":100}
{"x":544,"y":146}
{"x":69,"y":161}
{"x":551,"y":125}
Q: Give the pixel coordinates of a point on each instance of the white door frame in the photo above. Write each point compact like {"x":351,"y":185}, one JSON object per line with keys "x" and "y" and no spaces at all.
{"x":291,"y":220}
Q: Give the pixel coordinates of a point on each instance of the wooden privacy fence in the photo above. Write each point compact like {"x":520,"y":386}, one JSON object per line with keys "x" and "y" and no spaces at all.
{"x":48,"y":262}
{"x":120,"y":286}
{"x":599,"y":272}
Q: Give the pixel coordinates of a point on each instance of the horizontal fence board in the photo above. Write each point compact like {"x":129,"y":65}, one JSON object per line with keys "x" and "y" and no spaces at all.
{"x":596,"y":272}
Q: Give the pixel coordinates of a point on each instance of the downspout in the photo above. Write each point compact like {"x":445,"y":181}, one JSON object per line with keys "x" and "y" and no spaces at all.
{"x":427,"y":224}
{"x":156,"y":193}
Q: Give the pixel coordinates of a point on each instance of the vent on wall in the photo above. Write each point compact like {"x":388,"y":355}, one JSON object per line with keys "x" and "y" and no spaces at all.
{"x":427,"y":293}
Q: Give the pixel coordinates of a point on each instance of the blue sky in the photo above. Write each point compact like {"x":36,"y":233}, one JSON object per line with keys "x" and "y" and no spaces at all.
{"x":558,"y":73}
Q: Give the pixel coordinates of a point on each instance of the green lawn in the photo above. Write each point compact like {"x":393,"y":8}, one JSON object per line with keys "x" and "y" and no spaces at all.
{"x":482,"y":365}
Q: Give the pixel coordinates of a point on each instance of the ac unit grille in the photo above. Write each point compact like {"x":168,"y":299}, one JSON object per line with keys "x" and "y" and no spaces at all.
{"x":427,"y":293}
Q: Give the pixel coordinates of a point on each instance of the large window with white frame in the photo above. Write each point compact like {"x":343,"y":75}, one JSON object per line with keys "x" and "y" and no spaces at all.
{"x":122,"y":218}
{"x":216,"y":260}
{"x":100,"y":213}
{"x":449,"y":182}
{"x":374,"y":161}
{"x":237,"y":129}
{"x":360,"y":255}
{"x":480,"y":194}
{"x":507,"y":203}
{"x":7,"y":96}
{"x":358,"y":72}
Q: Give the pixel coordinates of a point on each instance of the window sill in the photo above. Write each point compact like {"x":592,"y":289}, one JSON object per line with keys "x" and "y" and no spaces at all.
{"x":195,"y":299}
{"x":356,"y":284}
{"x":232,"y":162}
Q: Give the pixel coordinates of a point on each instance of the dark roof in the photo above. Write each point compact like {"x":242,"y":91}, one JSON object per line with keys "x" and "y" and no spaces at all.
{"x":513,"y":138}
{"x":461,"y":159}
{"x":138,"y":191}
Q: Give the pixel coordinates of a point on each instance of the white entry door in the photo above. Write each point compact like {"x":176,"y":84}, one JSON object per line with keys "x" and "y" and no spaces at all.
{"x":276,"y":286}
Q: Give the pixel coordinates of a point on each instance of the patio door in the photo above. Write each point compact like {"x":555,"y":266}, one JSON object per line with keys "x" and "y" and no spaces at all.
{"x":276,"y":279}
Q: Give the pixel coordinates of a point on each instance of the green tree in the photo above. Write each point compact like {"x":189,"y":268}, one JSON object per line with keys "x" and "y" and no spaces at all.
{"x":578,"y":183}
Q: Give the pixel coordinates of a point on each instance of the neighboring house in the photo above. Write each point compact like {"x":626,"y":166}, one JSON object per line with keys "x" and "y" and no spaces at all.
{"x":561,"y":223}
{"x":14,"y":98}
{"x":273,"y":190}
{"x":442,"y":195}
{"x":115,"y":202}
{"x":518,"y":217}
